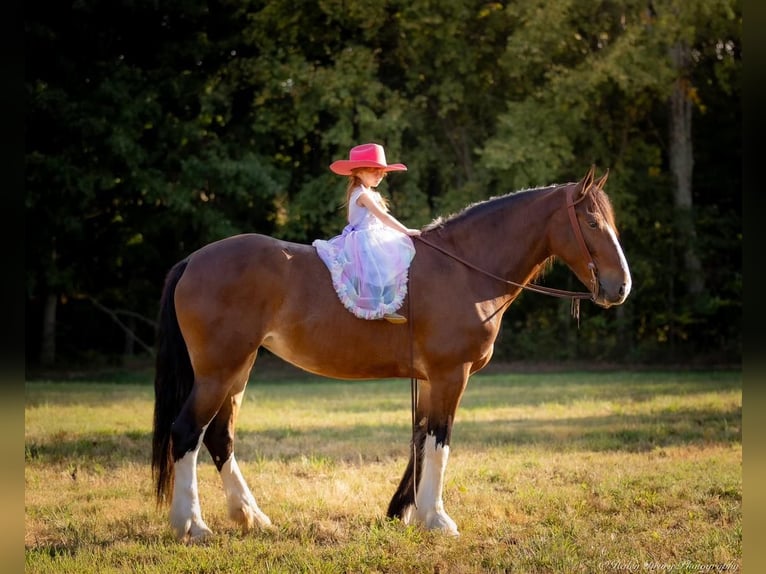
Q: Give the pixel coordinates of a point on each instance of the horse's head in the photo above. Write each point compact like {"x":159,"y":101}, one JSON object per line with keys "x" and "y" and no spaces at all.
{"x":588,"y":242}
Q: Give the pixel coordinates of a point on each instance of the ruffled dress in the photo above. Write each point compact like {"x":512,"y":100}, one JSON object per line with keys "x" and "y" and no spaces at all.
{"x":368,"y":262}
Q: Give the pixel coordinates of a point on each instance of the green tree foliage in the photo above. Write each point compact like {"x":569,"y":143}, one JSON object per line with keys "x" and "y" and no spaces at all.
{"x":155,"y":128}
{"x":593,"y":82}
{"x":129,"y":167}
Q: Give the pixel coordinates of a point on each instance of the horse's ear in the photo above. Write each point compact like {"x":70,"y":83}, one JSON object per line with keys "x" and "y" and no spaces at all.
{"x":584,"y":184}
{"x":602,"y":180}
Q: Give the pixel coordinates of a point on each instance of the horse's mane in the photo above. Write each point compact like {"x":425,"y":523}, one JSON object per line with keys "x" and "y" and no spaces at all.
{"x":479,"y":206}
{"x":598,"y":195}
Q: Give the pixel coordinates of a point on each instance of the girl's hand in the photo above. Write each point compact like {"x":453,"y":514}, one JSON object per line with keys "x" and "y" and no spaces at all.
{"x":412,"y":232}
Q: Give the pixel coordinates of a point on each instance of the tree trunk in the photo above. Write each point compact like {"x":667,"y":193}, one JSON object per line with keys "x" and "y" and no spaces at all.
{"x":681,"y":166}
{"x":48,"y":344}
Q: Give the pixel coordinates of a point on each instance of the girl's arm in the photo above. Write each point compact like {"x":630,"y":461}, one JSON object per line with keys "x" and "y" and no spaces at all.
{"x":369,"y":202}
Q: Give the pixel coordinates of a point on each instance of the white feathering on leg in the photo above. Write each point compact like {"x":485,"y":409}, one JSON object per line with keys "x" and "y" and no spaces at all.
{"x":430,"y":506}
{"x":243,"y":508}
{"x":185,"y":510}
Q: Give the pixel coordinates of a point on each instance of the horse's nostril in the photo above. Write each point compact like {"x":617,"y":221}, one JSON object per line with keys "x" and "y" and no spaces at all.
{"x":622,"y":289}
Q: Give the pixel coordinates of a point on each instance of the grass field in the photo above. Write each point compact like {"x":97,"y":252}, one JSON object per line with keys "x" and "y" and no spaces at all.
{"x":560,"y":472}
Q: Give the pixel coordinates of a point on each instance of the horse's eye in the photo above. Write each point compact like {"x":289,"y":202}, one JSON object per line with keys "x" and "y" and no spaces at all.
{"x":593,"y":224}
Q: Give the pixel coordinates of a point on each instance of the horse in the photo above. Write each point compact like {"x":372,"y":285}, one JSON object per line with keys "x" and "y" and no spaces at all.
{"x":231,"y":297}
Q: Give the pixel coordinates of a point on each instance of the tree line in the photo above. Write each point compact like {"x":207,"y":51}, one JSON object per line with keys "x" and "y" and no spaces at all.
{"x":153,"y":128}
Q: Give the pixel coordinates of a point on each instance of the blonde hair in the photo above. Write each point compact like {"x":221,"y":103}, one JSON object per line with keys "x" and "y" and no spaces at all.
{"x":355,"y":181}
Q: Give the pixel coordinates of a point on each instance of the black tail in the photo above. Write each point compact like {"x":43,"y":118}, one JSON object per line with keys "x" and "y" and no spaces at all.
{"x":173,"y":381}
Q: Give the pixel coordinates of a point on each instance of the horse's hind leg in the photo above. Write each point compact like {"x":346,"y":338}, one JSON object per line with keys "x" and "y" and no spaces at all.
{"x":219,"y":440}
{"x":403,"y":501}
{"x":402,"y":504}
{"x":187,"y":431}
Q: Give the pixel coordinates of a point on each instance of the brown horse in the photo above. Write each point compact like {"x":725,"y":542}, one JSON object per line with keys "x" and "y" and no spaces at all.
{"x":231,"y":297}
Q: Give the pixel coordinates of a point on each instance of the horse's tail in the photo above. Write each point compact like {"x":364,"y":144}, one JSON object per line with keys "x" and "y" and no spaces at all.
{"x":173,"y":381}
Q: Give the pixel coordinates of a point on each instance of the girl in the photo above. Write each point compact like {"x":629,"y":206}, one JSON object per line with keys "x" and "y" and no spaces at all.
{"x":369,"y":261}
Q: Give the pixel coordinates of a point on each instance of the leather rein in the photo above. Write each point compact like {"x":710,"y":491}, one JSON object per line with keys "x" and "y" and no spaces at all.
{"x":576,"y":296}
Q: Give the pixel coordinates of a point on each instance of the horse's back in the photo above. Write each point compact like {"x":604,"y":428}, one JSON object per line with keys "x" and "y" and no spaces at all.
{"x":234,"y":288}
{"x":244,"y":268}
{"x":253,"y":248}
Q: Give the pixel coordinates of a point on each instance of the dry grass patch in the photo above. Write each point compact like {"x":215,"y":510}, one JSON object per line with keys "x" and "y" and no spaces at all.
{"x":556,"y":473}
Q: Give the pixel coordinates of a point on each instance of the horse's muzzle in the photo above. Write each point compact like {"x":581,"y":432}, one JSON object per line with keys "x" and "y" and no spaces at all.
{"x":612,"y":292}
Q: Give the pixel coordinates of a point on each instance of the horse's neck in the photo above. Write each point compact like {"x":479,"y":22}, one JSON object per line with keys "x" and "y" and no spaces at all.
{"x":508,"y":236}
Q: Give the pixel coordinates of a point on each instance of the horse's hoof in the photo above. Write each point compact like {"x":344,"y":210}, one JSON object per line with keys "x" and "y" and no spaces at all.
{"x":249,"y":518}
{"x":191,"y":531}
{"x":199,"y":535}
{"x":442,"y":522}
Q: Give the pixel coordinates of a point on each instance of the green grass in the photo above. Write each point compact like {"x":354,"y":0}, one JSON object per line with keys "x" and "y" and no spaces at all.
{"x":564,"y":472}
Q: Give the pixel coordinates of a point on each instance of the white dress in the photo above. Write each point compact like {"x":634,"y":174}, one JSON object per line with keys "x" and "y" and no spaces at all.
{"x":368,"y":262}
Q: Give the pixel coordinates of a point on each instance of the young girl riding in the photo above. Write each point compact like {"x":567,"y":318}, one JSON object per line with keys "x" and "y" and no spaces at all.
{"x":369,"y":261}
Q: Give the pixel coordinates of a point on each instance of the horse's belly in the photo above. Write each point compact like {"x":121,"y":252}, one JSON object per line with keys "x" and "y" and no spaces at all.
{"x":335,"y":361}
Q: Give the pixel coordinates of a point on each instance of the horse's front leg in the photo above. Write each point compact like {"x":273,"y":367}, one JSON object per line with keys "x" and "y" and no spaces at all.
{"x":429,"y":507}
{"x":424,"y":504}
{"x":219,"y":440}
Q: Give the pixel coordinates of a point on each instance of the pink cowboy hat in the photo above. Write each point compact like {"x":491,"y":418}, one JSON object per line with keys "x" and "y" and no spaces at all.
{"x":365,"y":155}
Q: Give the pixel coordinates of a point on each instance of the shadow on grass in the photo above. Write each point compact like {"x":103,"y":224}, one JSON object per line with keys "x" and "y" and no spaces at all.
{"x":513,"y":389}
{"x":99,"y":450}
{"x":566,"y":388}
{"x":626,"y":433}
{"x":619,"y":433}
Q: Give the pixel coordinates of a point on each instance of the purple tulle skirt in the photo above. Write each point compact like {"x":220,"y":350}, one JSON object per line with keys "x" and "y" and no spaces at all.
{"x":369,"y":268}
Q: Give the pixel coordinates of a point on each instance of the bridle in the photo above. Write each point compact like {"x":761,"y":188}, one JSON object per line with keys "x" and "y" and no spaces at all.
{"x":576,"y":296}
{"x":581,"y":240}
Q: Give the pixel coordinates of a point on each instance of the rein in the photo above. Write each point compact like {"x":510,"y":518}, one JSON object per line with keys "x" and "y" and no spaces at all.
{"x":528,"y":286}
{"x":576,"y":296}
{"x":413,"y":404}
